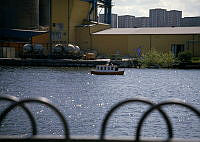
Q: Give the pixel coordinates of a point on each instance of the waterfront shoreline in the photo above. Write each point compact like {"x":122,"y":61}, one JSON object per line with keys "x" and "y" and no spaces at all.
{"x":63,"y":62}
{"x":126,"y":63}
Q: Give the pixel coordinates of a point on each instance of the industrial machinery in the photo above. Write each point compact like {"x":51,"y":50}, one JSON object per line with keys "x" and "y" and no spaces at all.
{"x":106,"y":4}
{"x":19,"y":14}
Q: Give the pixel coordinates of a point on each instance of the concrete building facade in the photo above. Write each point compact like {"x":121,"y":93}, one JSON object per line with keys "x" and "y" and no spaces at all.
{"x":64,"y":23}
{"x":126,"y":21}
{"x":114,"y":21}
{"x":141,"y":22}
{"x":163,"y":18}
{"x":190,"y":21}
{"x":157,"y":17}
{"x":173,"y":18}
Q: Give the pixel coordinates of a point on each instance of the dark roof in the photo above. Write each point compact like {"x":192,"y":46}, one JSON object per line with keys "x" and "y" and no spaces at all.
{"x":18,"y":34}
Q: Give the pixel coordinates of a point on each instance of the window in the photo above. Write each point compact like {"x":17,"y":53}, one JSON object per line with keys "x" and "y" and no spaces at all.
{"x":177,"y":48}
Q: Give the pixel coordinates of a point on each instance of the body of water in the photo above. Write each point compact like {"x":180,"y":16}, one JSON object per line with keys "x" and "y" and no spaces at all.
{"x":84,"y":100}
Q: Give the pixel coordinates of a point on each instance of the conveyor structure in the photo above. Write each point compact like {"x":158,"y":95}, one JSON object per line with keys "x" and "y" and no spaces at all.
{"x":106,"y":4}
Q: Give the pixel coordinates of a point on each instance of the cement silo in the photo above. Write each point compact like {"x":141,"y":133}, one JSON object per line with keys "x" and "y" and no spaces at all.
{"x":19,"y":14}
{"x":44,"y":12}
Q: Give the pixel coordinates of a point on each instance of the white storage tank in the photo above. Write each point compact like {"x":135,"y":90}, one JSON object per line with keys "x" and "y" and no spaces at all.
{"x":38,"y":49}
{"x":70,"y":49}
{"x":58,"y":49}
{"x":27,"y":48}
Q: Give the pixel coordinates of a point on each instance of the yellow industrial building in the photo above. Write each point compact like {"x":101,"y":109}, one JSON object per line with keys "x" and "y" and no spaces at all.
{"x":69,"y":24}
{"x":128,"y":42}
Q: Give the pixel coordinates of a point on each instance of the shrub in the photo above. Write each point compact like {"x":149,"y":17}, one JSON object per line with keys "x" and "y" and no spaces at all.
{"x":168,"y":60}
{"x":151,"y":58}
{"x":196,"y":59}
{"x":185,"y":56}
{"x":154,"y":58}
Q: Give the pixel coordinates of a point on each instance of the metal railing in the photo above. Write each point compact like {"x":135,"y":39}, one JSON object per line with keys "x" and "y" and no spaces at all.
{"x":34,"y":137}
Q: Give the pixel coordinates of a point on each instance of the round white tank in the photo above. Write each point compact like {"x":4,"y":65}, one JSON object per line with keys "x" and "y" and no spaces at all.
{"x":38,"y":48}
{"x":69,"y":49}
{"x":27,"y":48}
{"x":58,"y":48}
{"x":77,"y":49}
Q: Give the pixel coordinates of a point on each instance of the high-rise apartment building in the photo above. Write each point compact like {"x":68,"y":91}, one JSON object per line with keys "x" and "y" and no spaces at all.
{"x":157,"y":17}
{"x":113,"y":20}
{"x":190,"y":21}
{"x":173,"y":18}
{"x":141,"y":22}
{"x":126,"y":21}
{"x":163,"y":18}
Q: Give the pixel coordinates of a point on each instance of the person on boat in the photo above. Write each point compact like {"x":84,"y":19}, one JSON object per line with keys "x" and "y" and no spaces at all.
{"x":110,"y":64}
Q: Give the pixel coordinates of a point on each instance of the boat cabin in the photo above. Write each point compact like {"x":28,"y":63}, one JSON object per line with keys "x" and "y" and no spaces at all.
{"x":106,"y":68}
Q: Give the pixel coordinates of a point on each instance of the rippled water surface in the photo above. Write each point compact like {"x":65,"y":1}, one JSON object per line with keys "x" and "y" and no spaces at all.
{"x":84,"y":100}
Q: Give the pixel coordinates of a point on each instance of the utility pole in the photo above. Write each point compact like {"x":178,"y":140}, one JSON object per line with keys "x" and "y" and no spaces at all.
{"x":50,"y":26}
{"x":68,"y":22}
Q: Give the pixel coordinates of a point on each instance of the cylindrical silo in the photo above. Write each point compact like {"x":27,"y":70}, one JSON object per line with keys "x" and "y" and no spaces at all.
{"x":19,"y":14}
{"x":44,"y":12}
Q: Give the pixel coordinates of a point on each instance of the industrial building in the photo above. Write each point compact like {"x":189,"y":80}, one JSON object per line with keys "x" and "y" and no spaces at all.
{"x":129,"y":41}
{"x":76,"y":22}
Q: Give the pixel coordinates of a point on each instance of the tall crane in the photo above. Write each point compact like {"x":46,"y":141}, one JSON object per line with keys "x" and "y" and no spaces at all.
{"x":106,"y":4}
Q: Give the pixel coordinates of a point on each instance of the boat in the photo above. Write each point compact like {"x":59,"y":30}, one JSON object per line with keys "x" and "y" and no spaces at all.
{"x":108,"y":69}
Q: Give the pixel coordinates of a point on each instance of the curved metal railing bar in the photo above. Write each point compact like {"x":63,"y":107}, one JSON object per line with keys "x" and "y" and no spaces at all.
{"x":43,"y":101}
{"x":139,"y":127}
{"x":30,"y":115}
{"x":9,"y":98}
{"x":120,"y":104}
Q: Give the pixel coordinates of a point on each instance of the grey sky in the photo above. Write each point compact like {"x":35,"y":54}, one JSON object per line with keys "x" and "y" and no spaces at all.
{"x":141,"y":8}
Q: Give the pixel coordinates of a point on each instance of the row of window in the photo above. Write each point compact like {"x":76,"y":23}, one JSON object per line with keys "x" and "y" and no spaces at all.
{"x":107,"y":68}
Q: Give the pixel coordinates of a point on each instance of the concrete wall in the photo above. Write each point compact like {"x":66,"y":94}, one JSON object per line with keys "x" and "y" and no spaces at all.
{"x":84,"y":34}
{"x":83,"y":37}
{"x":79,"y":13}
{"x":75,"y":12}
